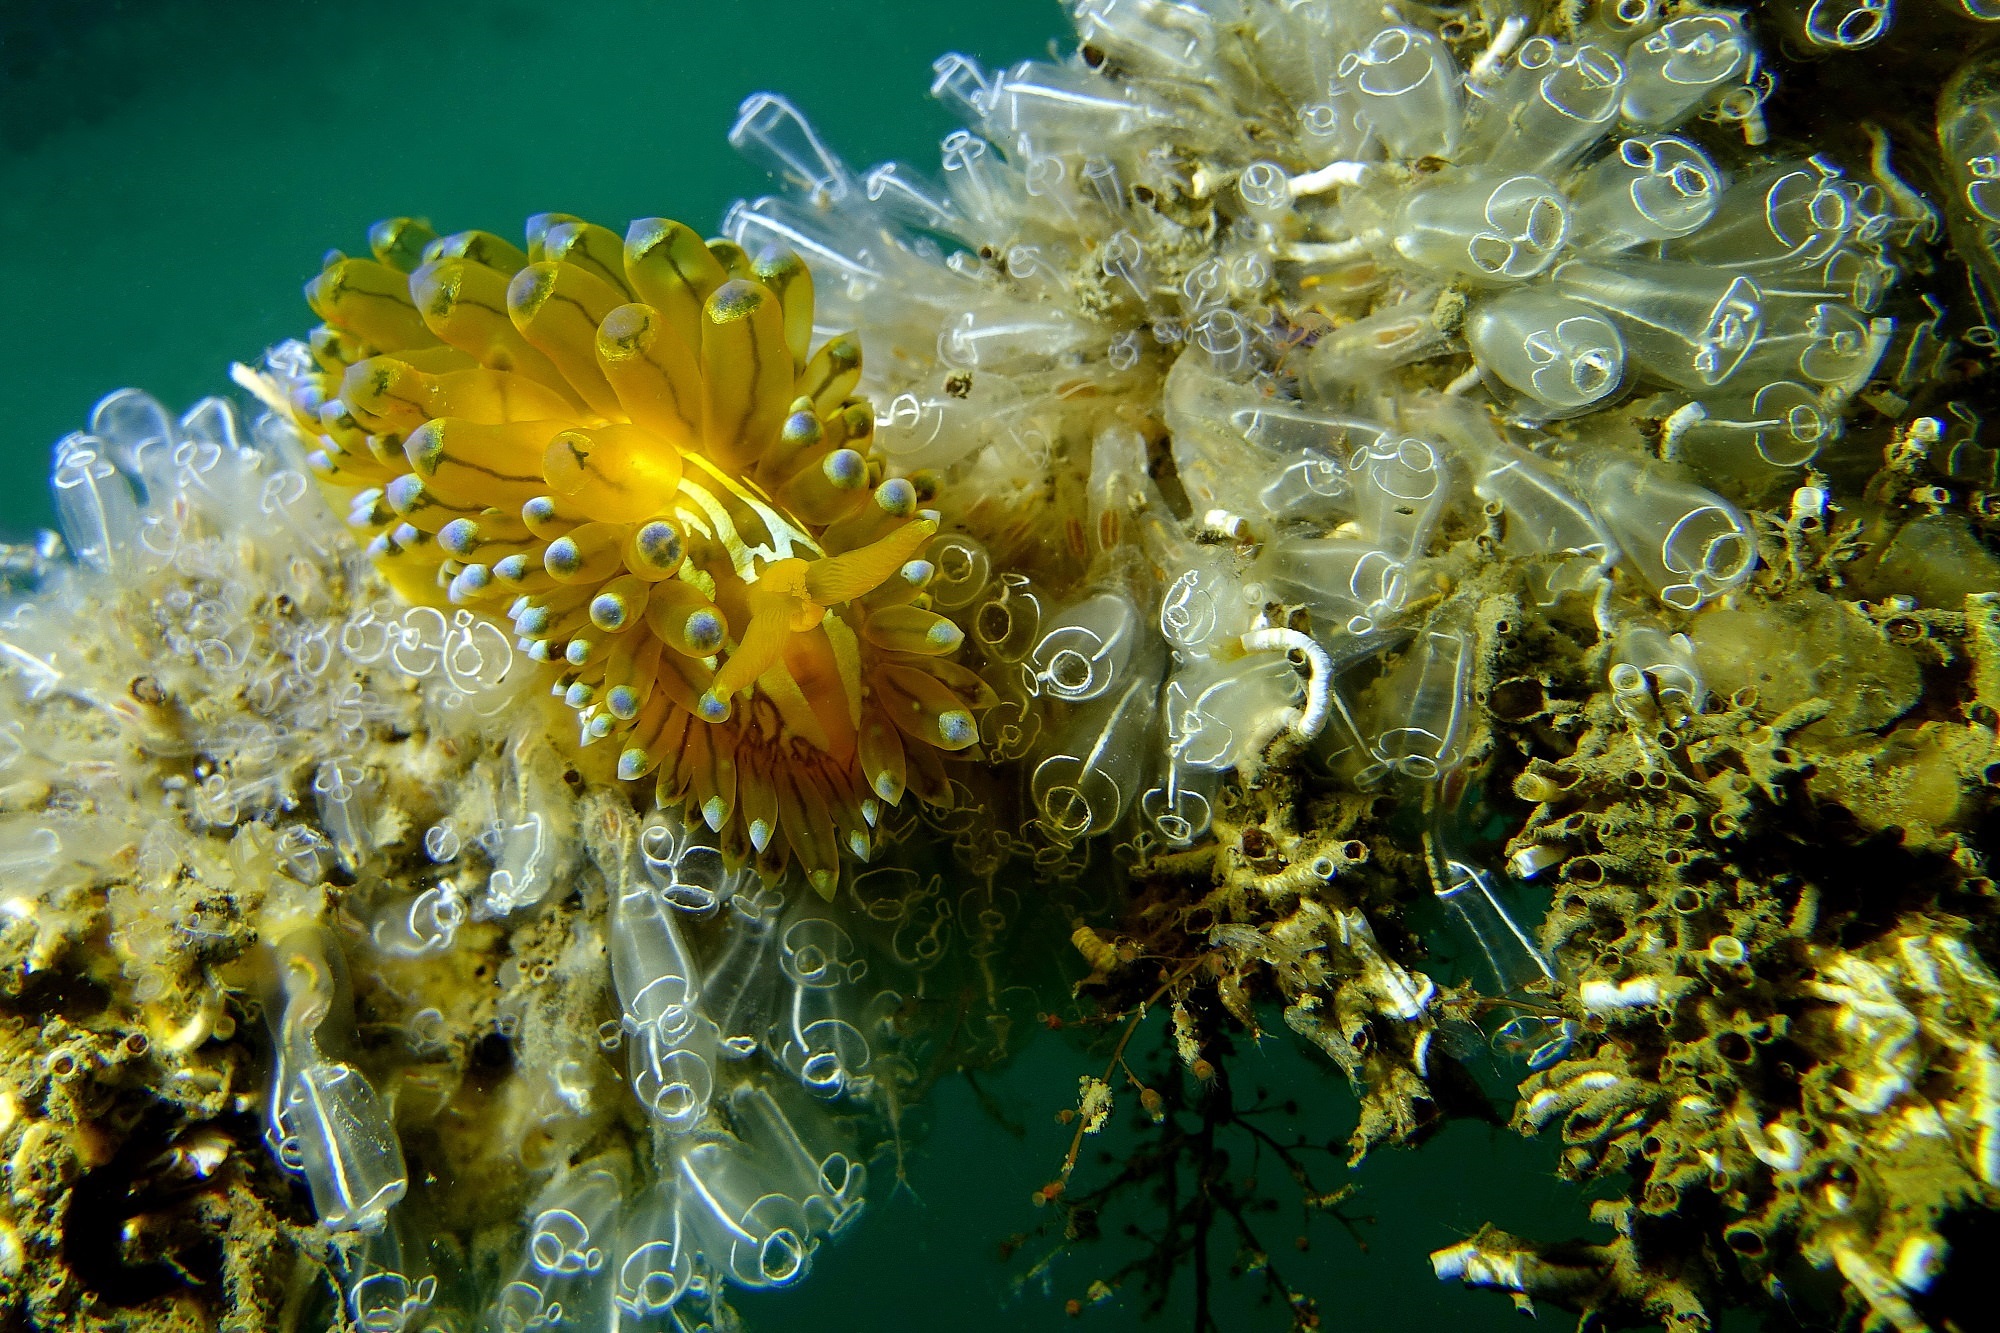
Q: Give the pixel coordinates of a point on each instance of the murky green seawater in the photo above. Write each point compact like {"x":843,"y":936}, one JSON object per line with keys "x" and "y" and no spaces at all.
{"x":171,"y":172}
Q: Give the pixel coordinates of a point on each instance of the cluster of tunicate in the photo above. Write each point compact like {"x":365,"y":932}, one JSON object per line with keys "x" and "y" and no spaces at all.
{"x":199,"y":673}
{"x":731,"y":1051}
{"x":762,"y":1033}
{"x":1828,"y":27}
{"x":1296,"y":363}
{"x":635,"y":450}
{"x":326,"y":1122}
{"x":270,"y":783}
{"x":1229,"y":325}
{"x":1968,"y":131}
{"x":236,"y":649}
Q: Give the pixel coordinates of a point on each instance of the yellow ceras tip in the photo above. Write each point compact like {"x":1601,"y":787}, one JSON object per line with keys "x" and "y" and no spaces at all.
{"x":633,"y":451}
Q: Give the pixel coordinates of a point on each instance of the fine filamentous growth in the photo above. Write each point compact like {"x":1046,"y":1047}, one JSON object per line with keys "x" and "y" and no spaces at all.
{"x":604,"y":724}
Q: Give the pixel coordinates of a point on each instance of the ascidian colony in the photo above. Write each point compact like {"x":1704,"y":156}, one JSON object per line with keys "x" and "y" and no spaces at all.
{"x":1456,"y":536}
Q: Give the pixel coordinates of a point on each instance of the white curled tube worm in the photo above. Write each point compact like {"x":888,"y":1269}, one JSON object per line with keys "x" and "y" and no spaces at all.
{"x":1319,"y":674}
{"x":1329,"y":177}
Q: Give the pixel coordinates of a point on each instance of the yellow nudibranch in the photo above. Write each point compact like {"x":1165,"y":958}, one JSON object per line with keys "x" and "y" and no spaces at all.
{"x":633,"y":450}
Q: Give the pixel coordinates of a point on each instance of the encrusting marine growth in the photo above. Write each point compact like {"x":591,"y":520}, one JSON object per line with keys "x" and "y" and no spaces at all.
{"x":1316,"y":464}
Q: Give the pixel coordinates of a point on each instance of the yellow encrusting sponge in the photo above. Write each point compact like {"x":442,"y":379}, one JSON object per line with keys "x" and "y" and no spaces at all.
{"x":632,"y":448}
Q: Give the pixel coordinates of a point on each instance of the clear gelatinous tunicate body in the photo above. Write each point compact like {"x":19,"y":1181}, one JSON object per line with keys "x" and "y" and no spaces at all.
{"x":1542,"y":519}
{"x":348,"y":1149}
{"x":1265,"y":190}
{"x":1408,"y":90}
{"x":815,"y":950}
{"x":522,"y":875}
{"x":560,"y":1281}
{"x":422,"y":926}
{"x":962,"y":84}
{"x":1422,"y":706}
{"x":1401,"y":485}
{"x":1467,"y":893}
{"x":1180,"y":807}
{"x":914,"y":909}
{"x":385,"y":1290}
{"x":1654,"y":187}
{"x":1002,"y":340}
{"x":1483,"y":227}
{"x":1538,"y":1040}
{"x":1284,"y":427}
{"x":908,"y":198}
{"x":759,"y":1236}
{"x":1670,"y":70}
{"x":1841,"y":25}
{"x":326,"y":1120}
{"x":739,"y":994}
{"x":1056,"y":103}
{"x":1822,"y":342}
{"x":1554,"y":103}
{"x":933,"y":430}
{"x":1687,"y":324}
{"x":1617,"y":22}
{"x":1358,"y":354}
{"x":571,"y":1226}
{"x":1853,"y":275}
{"x":1557,"y":354}
{"x":1219,"y":713}
{"x":671,"y":1047}
{"x":1784,"y":423}
{"x":94,"y":502}
{"x":686,"y":869}
{"x":651,"y":966}
{"x":982,"y":187}
{"x":654,"y":1254}
{"x":963,"y":569}
{"x":1008,"y":623}
{"x":1310,"y":484}
{"x":831,"y":244}
{"x":1242,"y":452}
{"x":673,"y":1071}
{"x":1164,"y":36}
{"x":821,"y":1038}
{"x":1781,"y":218}
{"x":1352,"y":585}
{"x":1085,"y":650}
{"x":1645,"y":655}
{"x":829,"y":1185}
{"x":1968,"y":130}
{"x":137,"y":436}
{"x":1335,"y":129}
{"x":771,"y":132}
{"x":1090,"y":773}
{"x":1204,"y":611}
{"x":1687,"y":543}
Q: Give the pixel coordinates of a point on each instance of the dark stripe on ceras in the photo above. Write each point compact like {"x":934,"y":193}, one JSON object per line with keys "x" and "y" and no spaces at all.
{"x":430,"y":456}
{"x":750,"y":302}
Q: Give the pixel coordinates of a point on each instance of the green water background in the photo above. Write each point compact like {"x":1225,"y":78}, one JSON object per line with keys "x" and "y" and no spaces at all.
{"x":171,"y":172}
